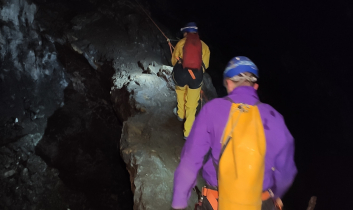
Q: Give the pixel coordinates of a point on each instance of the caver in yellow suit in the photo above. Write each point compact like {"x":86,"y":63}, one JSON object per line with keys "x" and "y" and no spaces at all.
{"x":188,"y":81}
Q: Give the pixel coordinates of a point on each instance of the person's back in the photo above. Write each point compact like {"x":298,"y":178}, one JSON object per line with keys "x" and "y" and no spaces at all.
{"x":206,"y":135}
{"x":193,"y":55}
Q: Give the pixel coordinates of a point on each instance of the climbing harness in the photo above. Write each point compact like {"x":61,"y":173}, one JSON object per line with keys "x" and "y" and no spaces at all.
{"x":171,"y":47}
{"x":211,"y":194}
{"x":191,"y":74}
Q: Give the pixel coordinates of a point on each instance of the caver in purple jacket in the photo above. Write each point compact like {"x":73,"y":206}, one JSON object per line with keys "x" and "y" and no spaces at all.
{"x":206,"y":134}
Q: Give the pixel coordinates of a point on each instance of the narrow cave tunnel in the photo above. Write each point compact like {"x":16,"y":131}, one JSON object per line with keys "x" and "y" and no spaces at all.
{"x":86,"y":117}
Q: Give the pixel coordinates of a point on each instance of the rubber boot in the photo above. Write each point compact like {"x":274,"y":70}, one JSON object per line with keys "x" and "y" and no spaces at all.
{"x":175,"y":111}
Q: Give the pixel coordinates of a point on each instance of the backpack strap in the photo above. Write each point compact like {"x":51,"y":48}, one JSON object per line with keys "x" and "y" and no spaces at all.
{"x":257,"y":103}
{"x":229,"y":99}
{"x":215,"y":165}
{"x":180,"y":59}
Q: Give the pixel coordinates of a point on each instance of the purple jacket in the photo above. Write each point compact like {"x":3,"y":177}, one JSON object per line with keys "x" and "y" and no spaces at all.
{"x":206,"y":134}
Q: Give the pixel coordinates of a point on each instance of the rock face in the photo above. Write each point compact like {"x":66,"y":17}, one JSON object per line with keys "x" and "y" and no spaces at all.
{"x":62,"y":112}
{"x":31,"y":79}
{"x":80,"y":139}
{"x":32,"y":83}
{"x":152,"y":140}
{"x":58,"y":130}
{"x":143,"y":96}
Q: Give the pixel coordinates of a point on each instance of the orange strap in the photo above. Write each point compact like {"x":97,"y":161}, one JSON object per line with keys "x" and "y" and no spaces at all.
{"x":265,"y":195}
{"x":191,"y":74}
{"x":212,"y":197}
{"x":170,"y":46}
{"x":190,"y":71}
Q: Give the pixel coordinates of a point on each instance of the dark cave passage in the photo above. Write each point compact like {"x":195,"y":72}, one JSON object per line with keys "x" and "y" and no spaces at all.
{"x":82,"y":137}
{"x":78,"y":77}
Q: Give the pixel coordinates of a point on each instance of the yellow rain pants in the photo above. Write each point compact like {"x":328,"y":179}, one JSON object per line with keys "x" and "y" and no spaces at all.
{"x":188,"y":100}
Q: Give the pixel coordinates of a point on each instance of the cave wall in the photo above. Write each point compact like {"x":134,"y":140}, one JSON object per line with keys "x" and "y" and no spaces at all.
{"x":142,"y":94}
{"x":61,"y":112}
{"x":32,"y":80}
{"x":31,"y":83}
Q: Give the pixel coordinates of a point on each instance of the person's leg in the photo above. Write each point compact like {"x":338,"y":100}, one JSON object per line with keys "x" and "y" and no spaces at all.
{"x":180,"y":77}
{"x":181,"y":98}
{"x":192,"y":101}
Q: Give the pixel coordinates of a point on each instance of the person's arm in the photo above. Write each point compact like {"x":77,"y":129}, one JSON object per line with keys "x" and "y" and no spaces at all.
{"x":178,"y":51}
{"x":285,"y":169}
{"x":205,"y":54}
{"x":192,"y":156}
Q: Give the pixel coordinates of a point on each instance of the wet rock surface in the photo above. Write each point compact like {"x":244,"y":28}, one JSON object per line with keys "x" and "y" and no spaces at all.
{"x":68,"y":83}
{"x":31,"y":79}
{"x":32,"y":84}
{"x":58,"y":131}
{"x":152,"y":139}
{"x":81,"y":137}
{"x":143,"y":96}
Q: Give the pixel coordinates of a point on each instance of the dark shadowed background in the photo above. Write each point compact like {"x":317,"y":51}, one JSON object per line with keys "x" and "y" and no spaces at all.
{"x":60,"y":124}
{"x":304,"y":54}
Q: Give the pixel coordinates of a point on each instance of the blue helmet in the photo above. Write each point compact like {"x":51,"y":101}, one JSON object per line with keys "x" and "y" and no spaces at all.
{"x":240,"y":64}
{"x":190,"y":28}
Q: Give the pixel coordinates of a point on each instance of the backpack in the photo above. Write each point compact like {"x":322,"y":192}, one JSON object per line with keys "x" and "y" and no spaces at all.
{"x":192,"y":52}
{"x":242,"y":160}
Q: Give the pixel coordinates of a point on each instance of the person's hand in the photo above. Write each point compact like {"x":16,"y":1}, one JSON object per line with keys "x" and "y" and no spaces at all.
{"x":278,"y":203}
